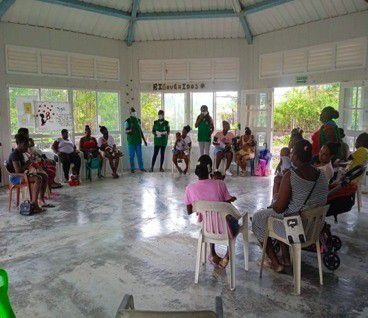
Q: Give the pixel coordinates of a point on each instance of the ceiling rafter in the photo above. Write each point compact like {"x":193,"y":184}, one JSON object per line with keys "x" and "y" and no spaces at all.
{"x":243,"y":21}
{"x":238,"y":11}
{"x":132,"y":22}
{"x":4,"y":6}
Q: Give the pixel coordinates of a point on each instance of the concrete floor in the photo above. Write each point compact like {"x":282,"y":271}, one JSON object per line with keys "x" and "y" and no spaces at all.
{"x":132,"y":235}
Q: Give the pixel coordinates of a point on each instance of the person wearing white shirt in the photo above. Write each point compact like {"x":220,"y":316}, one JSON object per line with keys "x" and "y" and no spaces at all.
{"x":106,"y":143}
{"x":67,"y":154}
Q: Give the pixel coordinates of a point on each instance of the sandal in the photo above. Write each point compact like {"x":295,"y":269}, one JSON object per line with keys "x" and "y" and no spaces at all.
{"x":214,"y":260}
{"x":48,"y":205}
{"x":223,"y":263}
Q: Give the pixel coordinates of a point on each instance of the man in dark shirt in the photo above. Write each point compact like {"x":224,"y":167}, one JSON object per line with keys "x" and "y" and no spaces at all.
{"x":18,"y":166}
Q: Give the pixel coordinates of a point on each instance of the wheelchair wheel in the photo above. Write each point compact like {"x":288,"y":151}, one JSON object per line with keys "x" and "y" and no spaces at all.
{"x":333,"y":243}
{"x":331,"y":261}
{"x":276,"y":246}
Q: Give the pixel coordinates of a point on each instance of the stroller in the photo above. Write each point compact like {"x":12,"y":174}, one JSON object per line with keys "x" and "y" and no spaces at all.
{"x":341,"y":199}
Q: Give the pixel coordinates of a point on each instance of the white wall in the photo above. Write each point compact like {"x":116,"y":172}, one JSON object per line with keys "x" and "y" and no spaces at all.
{"x":341,"y":28}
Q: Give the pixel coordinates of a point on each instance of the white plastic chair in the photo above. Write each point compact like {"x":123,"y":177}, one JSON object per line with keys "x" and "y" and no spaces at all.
{"x":214,"y":215}
{"x":313,"y":221}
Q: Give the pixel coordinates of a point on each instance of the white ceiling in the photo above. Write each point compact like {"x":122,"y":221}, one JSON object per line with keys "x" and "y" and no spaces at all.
{"x":296,"y":12}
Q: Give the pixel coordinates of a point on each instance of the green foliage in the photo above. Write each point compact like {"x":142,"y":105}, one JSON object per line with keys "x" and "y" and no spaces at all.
{"x":227,"y":109}
{"x":108,"y":110}
{"x":150,"y":105}
{"x":85,"y":110}
{"x":301,"y":107}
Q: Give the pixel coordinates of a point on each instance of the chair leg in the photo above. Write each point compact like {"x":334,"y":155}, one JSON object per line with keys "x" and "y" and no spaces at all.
{"x":232,"y":263}
{"x":359,"y":198}
{"x":204,"y":253}
{"x":291,"y":254}
{"x":246,"y":243}
{"x":263,"y":253}
{"x":297,"y":267}
{"x":10,"y":197}
{"x":318,"y":249}
{"x":198,"y":260}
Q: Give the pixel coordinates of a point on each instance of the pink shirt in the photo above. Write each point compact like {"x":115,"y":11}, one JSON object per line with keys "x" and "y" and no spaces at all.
{"x":208,"y":190}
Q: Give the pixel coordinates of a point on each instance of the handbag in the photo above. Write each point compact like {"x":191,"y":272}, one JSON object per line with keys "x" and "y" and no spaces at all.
{"x":27,"y":208}
{"x":293,"y":224}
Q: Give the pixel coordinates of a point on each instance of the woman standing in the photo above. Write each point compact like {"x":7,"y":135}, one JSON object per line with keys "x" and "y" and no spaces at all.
{"x":329,"y":132}
{"x":205,"y":127}
{"x":161,"y":131}
{"x":247,"y":146}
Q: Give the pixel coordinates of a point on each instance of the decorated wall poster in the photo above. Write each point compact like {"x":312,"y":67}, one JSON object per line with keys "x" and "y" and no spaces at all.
{"x":52,"y":116}
{"x":25,"y":111}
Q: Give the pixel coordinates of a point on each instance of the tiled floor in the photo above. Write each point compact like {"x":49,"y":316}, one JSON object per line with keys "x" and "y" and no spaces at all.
{"x":132,"y":235}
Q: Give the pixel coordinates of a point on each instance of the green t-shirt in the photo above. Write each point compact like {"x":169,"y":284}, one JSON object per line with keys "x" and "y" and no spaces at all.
{"x":134,"y":137}
{"x":161,"y":126}
{"x":204,"y":131}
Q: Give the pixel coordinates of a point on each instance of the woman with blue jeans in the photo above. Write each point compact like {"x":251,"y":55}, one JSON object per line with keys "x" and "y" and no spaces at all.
{"x":134,"y":138}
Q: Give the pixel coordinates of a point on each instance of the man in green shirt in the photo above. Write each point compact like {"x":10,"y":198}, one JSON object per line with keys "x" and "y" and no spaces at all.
{"x":205,"y":126}
{"x":161,"y":130}
{"x":134,"y":138}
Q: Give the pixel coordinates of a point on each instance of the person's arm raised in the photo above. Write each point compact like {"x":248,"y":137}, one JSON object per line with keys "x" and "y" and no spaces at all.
{"x":284,"y":194}
{"x":198,"y":121}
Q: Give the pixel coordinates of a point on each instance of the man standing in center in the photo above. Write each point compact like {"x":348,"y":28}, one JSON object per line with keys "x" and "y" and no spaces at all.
{"x":134,"y":138}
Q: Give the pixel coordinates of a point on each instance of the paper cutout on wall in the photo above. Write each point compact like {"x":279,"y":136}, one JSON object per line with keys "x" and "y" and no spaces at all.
{"x":52,"y":116}
{"x":25,"y":111}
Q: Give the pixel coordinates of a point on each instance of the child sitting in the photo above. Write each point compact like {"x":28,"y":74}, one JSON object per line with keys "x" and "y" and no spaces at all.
{"x":283,"y":166}
{"x":179,"y":153}
{"x":326,"y":154}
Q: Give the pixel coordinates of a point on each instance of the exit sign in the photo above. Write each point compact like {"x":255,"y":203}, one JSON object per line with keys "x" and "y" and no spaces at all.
{"x":301,"y":79}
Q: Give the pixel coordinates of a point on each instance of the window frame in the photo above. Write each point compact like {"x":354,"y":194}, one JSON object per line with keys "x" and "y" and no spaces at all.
{"x":188,"y":102}
{"x":70,"y":100}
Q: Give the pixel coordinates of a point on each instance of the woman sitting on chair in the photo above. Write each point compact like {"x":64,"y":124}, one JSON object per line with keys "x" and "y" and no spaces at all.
{"x":206,"y":189}
{"x":301,"y":187}
{"x":17,"y":165}
{"x":107,"y":145}
{"x":40,"y":160}
{"x":247,"y":146}
{"x":88,"y":146}
{"x":182,"y":148}
{"x":223,"y":141}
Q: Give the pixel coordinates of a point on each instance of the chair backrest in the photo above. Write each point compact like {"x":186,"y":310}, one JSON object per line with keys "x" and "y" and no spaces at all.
{"x":214,"y":214}
{"x":313,"y":221}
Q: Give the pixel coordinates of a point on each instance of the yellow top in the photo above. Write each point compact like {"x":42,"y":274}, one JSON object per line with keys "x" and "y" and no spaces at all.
{"x":360,"y":157}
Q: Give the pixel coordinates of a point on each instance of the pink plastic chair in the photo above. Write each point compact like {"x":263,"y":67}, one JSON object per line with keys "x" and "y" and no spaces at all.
{"x":215,"y":230}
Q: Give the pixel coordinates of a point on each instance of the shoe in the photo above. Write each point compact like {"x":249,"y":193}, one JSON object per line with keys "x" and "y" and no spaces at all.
{"x":228,"y":173}
{"x":162,"y":170}
{"x":151,"y":170}
{"x":143,"y":170}
{"x":132,"y":171}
